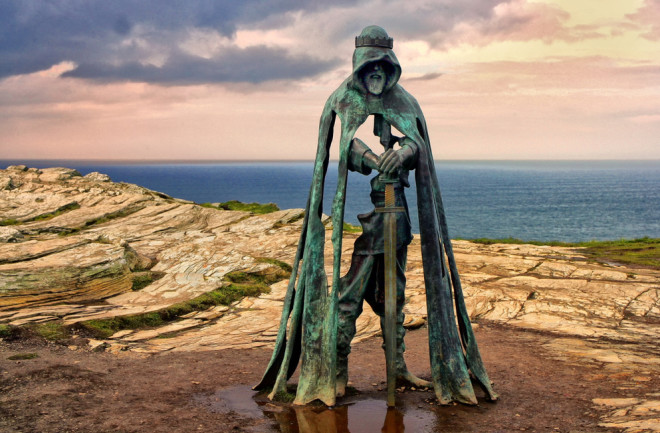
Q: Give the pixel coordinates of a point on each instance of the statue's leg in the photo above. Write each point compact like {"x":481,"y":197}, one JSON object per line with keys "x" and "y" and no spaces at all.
{"x":351,"y":295}
{"x":404,"y":376}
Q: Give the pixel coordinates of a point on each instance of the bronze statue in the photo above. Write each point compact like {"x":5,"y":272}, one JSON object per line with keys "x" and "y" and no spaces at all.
{"x":317,"y":326}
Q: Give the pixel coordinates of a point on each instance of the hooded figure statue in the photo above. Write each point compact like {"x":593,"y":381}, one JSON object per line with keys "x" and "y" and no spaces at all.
{"x":317,"y":325}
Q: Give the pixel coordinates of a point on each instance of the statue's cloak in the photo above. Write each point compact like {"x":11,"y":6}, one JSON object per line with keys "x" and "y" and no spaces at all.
{"x":308,"y":327}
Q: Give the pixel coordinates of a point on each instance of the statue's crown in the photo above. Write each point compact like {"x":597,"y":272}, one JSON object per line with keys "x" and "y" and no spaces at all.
{"x":368,"y":41}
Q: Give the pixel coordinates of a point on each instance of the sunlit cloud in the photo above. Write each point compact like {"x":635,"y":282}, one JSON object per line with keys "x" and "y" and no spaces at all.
{"x":648,"y":19}
{"x":240,"y":80}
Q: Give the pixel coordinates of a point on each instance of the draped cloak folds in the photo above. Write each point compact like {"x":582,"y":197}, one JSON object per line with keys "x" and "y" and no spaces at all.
{"x":308,"y":327}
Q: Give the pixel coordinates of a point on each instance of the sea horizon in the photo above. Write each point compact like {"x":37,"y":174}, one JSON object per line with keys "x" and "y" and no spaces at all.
{"x":532,"y":200}
{"x":17,"y":161}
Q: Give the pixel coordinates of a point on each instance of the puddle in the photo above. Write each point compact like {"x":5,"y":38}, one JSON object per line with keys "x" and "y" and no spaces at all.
{"x":360,"y":416}
{"x":237,"y":399}
{"x":354,"y":415}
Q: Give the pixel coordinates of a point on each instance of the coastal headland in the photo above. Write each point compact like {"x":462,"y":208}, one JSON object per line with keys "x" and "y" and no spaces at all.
{"x":133,"y":283}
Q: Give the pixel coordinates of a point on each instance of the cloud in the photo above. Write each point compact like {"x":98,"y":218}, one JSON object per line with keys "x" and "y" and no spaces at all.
{"x":647,"y":18}
{"x":150,"y":40}
{"x":447,"y":23}
{"x":140,"y":40}
{"x":252,"y":65}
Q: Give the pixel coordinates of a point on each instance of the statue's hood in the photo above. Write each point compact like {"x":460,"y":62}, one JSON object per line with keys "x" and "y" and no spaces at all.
{"x":362,"y":56}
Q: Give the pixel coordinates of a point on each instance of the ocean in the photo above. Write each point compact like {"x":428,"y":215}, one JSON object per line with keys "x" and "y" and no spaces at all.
{"x":530,"y":200}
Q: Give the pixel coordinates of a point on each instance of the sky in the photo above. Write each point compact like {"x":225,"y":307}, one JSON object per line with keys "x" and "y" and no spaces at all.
{"x":247,"y":80}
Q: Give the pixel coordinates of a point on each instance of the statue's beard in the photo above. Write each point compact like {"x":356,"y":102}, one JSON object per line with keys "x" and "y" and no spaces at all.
{"x":375,"y":84}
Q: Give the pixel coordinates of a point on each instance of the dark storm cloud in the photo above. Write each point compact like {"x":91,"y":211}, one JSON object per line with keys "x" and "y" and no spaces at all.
{"x":122,"y":39}
{"x":252,"y":65}
{"x":35,"y":35}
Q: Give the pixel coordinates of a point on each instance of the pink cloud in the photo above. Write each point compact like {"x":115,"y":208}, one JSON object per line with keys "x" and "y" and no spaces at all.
{"x":647,"y":18}
{"x":520,"y":20}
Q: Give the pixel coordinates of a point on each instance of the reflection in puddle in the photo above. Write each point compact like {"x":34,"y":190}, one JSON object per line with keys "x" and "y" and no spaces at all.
{"x":358,"y":417}
{"x":354,"y":416}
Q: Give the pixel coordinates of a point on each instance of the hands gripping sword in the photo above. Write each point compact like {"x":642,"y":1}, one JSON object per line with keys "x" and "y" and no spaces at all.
{"x":382,"y":129}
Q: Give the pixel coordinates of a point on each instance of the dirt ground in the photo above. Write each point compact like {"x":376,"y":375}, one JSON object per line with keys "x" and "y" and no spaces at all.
{"x":64,"y":390}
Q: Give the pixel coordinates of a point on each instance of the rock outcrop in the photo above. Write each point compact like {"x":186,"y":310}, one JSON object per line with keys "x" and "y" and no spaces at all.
{"x":72,"y":245}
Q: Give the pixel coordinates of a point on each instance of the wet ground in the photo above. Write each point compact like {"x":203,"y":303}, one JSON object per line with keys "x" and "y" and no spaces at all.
{"x":358,"y":413}
{"x":65,"y":390}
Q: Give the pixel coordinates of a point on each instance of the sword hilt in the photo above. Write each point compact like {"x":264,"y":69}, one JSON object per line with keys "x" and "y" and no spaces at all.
{"x":389,"y":195}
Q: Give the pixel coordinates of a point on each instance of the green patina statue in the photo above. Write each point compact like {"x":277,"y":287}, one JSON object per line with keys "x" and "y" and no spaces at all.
{"x":318,"y":325}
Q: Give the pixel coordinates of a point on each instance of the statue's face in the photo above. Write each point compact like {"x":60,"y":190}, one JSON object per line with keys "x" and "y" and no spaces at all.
{"x":375,"y":78}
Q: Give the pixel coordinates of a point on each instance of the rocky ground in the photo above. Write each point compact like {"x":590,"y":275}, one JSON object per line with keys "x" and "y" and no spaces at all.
{"x":73,"y":247}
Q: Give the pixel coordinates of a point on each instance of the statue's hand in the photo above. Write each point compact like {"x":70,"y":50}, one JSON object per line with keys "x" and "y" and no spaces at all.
{"x":390,"y":162}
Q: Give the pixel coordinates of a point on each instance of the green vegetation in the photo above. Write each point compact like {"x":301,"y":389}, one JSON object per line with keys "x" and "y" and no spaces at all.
{"x":141,"y":280}
{"x":284,"y":266}
{"x":103,"y":328}
{"x":637,"y":252}
{"x":237,"y":285}
{"x":280,"y":223}
{"x":5,"y":330}
{"x":52,"y":331}
{"x":641,"y":252}
{"x":284,"y":397}
{"x":255,"y":208}
{"x":60,"y":211}
{"x":22,"y":356}
{"x":9,"y":222}
{"x":487,"y":241}
{"x":100,"y":220}
{"x":350,"y":228}
{"x":111,"y":216}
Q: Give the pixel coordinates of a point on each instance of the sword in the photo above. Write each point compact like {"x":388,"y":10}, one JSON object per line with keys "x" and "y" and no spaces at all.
{"x":382,"y":128}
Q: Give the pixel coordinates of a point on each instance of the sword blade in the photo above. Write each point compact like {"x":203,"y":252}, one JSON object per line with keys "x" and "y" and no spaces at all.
{"x":390,"y":294}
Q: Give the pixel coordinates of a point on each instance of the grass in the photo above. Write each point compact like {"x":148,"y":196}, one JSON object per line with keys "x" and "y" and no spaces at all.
{"x":237,"y":285}
{"x":60,"y":211}
{"x":9,"y":222}
{"x":22,"y":356}
{"x":254,"y":208}
{"x":284,"y":266}
{"x":111,"y":216}
{"x":51,"y":331}
{"x":636,"y":252}
{"x":284,"y":397}
{"x":488,"y":241}
{"x":100,"y":220}
{"x":350,"y":228}
{"x":141,"y":280}
{"x":103,"y":328}
{"x":6,"y":331}
{"x":641,"y":252}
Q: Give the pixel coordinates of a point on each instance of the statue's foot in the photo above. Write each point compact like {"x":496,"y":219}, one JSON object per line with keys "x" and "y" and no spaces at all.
{"x":408,"y":379}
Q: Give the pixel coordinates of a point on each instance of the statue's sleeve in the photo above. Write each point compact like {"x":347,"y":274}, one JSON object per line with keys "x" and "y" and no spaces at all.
{"x":361,"y":158}
{"x":408,"y":152}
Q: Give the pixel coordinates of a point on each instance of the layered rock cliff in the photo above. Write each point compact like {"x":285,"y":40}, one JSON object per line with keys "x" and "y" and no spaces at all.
{"x":74,"y":244}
